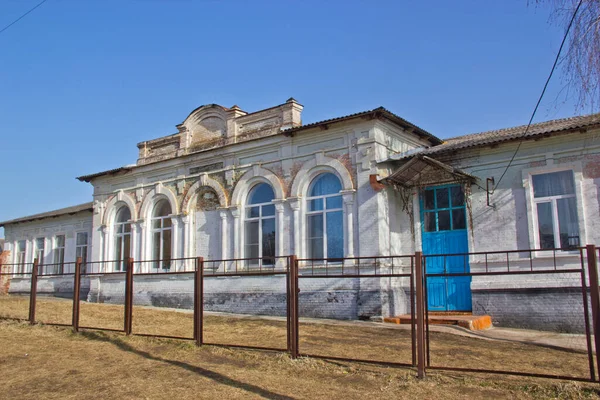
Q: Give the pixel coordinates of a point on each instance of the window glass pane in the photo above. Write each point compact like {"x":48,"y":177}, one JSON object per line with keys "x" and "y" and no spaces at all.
{"x":156,"y":223}
{"x":156,"y":245}
{"x":315,"y":248}
{"x":334,"y":202}
{"x":458,"y":219}
{"x":268,"y":210}
{"x":162,"y":209}
{"x":251,"y":232}
{"x":126,"y":228}
{"x":315,"y":205}
{"x":60,"y":241}
{"x":315,"y":226}
{"x":458,"y":196}
{"x":118,"y":248}
{"x":253,"y":212}
{"x":545,"y":225}
{"x":81,"y":238}
{"x":166,"y":249}
{"x":335,"y":235}
{"x":315,"y":236}
{"x":324,"y":184}
{"x":167,"y":222}
{"x":429,"y":200}
{"x":444,"y":220}
{"x":261,"y":193}
{"x":126,"y":246}
{"x":123,"y":214}
{"x":567,"y":223}
{"x":441,"y":195}
{"x":430,"y":222}
{"x":553,"y":184}
{"x":268,"y":237}
{"x":252,"y":252}
{"x":21,"y":245}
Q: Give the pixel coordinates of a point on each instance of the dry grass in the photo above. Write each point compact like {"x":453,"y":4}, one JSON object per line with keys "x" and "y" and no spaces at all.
{"x":47,"y":362}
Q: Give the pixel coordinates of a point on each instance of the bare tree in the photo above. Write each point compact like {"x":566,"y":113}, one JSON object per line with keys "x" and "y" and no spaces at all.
{"x":580,"y":61}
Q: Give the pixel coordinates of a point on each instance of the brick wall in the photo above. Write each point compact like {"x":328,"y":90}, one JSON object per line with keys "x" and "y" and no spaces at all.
{"x":348,"y":298}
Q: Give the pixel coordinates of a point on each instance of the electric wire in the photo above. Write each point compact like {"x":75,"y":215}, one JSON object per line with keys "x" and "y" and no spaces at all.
{"x":22,"y":16}
{"x":541,"y":95}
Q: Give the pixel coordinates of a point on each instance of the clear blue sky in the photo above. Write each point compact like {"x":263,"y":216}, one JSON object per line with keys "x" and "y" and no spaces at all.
{"x":82,"y":82}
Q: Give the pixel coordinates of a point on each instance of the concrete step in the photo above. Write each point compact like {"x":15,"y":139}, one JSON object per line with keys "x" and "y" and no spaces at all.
{"x":465,"y":320}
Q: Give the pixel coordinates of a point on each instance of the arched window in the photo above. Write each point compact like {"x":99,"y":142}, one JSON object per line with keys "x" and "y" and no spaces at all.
{"x":122,"y":231}
{"x":161,"y":235}
{"x":325,"y":233}
{"x":260,"y":225}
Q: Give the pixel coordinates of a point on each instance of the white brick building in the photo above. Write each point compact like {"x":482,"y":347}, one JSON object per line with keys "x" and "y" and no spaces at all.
{"x":231,"y":184}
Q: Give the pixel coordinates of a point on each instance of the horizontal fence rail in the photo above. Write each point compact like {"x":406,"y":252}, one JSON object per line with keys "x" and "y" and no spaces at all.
{"x":413,"y":271}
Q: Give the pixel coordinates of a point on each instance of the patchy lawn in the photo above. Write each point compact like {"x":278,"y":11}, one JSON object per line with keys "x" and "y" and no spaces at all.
{"x":50,"y":362}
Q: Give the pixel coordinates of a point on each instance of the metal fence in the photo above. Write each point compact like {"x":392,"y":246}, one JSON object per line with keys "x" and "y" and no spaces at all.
{"x":420,"y":345}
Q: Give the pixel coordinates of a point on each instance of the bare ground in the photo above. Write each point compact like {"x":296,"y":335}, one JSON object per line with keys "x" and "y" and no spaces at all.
{"x":48,"y":362}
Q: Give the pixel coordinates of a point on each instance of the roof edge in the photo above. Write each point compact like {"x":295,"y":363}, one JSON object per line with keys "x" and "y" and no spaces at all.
{"x":51,"y":214}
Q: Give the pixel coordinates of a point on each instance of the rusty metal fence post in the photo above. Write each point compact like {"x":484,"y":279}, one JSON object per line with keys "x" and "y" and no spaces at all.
{"x":199,"y":301}
{"x":420,"y":316}
{"x":128,"y":297}
{"x":33,"y":291}
{"x":293,"y":324}
{"x":76,"y":294}
{"x":594,"y":297}
{"x":288,"y":303}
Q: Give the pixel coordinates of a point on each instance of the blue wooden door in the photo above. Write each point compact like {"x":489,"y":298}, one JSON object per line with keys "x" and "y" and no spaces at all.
{"x":444,"y":232}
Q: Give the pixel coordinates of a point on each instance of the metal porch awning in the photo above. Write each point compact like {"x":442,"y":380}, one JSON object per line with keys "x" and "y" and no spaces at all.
{"x":410,"y":174}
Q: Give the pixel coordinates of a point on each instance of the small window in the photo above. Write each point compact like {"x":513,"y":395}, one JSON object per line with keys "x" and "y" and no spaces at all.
{"x":556,"y":208}
{"x":81,"y":249}
{"x":59,"y":254}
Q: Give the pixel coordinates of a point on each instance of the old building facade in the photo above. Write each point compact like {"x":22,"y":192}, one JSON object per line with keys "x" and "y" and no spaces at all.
{"x":258,"y":186}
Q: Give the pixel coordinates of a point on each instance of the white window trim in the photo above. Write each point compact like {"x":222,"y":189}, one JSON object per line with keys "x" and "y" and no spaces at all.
{"x":532,"y":220}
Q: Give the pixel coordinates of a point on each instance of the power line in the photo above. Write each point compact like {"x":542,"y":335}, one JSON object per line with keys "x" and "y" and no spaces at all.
{"x":541,"y":95}
{"x":22,"y":16}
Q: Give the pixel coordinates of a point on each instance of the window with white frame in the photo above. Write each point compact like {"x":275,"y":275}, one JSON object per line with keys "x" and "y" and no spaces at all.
{"x":20,"y":256}
{"x":556,"y":209}
{"x":59,"y":254}
{"x":259,"y":233}
{"x":81,"y":248}
{"x":39,"y":253}
{"x":162,"y":230}
{"x":122,"y":240}
{"x":325,"y":233}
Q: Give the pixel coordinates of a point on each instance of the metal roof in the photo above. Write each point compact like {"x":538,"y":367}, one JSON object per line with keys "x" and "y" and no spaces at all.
{"x":408,"y":175}
{"x":52,"y":214}
{"x":535,"y":131}
{"x":375,"y":113}
{"x":87,"y":178}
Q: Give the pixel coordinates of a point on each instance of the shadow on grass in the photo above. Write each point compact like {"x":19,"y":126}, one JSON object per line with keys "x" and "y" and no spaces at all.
{"x":215,"y":376}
